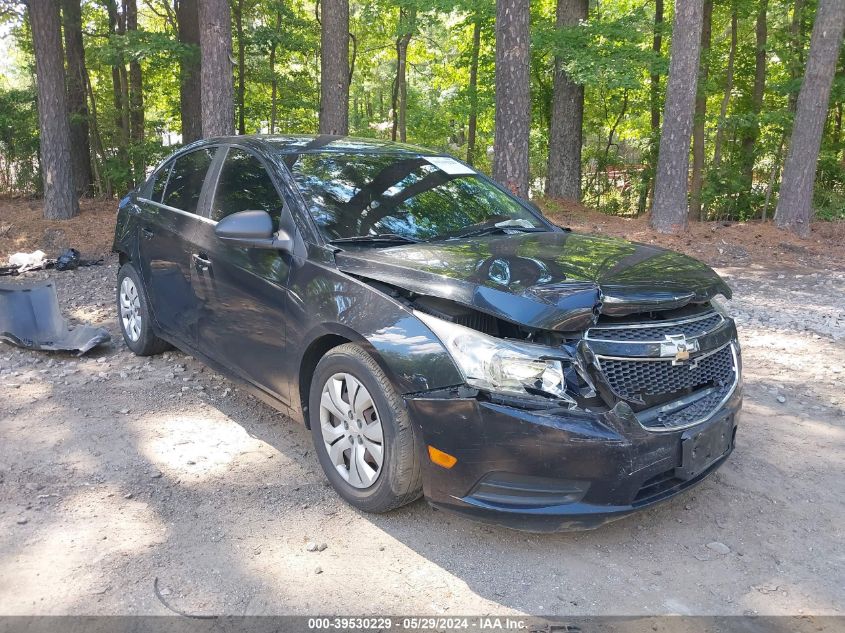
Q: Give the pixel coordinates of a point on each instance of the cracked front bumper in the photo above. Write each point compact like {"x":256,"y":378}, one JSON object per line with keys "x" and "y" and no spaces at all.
{"x":554,"y":470}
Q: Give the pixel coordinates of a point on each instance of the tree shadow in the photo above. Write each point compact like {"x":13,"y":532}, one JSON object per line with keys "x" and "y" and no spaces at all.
{"x":218,"y":496}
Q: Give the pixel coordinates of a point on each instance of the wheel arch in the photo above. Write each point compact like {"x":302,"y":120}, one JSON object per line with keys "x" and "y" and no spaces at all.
{"x":318,"y":348}
{"x":395,"y":361}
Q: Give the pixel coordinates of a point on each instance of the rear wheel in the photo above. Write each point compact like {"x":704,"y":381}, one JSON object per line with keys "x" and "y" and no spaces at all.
{"x":364,"y":439}
{"x":134,"y":314}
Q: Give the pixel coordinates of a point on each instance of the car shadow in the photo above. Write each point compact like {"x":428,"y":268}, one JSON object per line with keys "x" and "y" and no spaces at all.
{"x":658,"y":558}
{"x":208,"y":500}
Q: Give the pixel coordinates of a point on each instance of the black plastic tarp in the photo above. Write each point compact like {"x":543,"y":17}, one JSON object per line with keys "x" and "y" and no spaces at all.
{"x":30,"y":317}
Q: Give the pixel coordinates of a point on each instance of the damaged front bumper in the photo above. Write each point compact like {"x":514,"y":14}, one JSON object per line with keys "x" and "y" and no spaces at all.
{"x":551,"y":470}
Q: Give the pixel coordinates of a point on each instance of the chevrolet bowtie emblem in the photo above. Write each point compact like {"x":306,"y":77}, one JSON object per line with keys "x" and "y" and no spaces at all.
{"x":677,"y":347}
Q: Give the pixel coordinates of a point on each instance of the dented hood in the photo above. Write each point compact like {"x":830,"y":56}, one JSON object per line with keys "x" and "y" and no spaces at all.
{"x":557,"y":280}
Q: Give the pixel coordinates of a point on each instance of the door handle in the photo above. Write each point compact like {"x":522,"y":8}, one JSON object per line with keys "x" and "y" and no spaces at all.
{"x":201,"y":261}
{"x":147,"y":233}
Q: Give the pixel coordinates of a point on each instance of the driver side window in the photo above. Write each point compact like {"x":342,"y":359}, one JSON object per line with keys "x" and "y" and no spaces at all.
{"x":245,"y":185}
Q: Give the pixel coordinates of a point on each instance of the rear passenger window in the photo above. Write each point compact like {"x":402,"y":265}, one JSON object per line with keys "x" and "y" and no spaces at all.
{"x":244,"y":185}
{"x":186,"y":178}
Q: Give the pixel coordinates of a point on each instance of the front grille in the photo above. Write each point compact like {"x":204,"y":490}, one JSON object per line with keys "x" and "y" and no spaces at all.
{"x":666,"y":393}
{"x":690,"y":414}
{"x":636,"y":379}
{"x":692,"y":328}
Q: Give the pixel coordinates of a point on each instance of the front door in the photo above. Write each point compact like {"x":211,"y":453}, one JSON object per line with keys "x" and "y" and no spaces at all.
{"x":169,"y":221}
{"x":242,"y":291}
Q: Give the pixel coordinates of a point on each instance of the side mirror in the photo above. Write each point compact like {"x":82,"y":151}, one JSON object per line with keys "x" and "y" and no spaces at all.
{"x":253,"y":229}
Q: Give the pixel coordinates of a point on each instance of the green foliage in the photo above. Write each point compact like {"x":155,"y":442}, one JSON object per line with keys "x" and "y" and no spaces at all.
{"x":610,"y":54}
{"x":829,"y":198}
{"x":19,"y":141}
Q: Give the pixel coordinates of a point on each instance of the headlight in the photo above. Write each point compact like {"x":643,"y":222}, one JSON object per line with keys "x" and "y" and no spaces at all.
{"x":502,"y":366}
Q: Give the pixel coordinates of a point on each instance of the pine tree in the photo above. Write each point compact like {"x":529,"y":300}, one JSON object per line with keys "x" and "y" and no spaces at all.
{"x":60,"y":201}
{"x":513,"y":95}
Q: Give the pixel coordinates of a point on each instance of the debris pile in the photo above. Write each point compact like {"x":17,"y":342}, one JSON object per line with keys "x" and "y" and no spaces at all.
{"x":37,"y":260}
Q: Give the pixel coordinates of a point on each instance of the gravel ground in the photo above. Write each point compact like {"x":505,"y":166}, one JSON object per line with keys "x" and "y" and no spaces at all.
{"x":131,"y":486}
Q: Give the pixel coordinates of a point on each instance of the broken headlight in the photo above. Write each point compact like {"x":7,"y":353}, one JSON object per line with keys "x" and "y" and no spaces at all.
{"x":503,"y":366}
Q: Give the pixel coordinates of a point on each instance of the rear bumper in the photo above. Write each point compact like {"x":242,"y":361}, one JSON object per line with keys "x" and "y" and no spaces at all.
{"x":557,"y":470}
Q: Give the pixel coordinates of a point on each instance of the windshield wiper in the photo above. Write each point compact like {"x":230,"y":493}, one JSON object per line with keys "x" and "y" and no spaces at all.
{"x":489,"y":230}
{"x":377,"y":238}
{"x":508,"y":225}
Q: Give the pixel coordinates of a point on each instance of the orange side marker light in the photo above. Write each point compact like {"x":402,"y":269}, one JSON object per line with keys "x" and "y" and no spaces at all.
{"x":440,"y":458}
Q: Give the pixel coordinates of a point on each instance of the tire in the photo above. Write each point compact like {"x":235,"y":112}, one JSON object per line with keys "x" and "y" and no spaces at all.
{"x":138,"y":332}
{"x":397,"y":481}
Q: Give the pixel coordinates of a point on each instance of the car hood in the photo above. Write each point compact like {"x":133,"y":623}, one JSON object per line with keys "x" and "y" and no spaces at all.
{"x":557,"y":280}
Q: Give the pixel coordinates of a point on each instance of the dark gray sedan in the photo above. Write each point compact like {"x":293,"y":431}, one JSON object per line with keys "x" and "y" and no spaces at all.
{"x":438,"y":336}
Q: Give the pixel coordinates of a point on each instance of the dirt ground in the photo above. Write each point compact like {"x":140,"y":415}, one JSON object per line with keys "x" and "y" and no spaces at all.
{"x":732,"y":244}
{"x":23,"y":229}
{"x":137,"y":486}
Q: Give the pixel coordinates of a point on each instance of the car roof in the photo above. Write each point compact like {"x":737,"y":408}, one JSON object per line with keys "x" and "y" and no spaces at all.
{"x":304,"y":143}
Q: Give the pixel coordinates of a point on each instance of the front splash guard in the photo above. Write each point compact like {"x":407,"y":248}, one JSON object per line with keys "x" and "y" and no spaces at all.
{"x":30,"y":318}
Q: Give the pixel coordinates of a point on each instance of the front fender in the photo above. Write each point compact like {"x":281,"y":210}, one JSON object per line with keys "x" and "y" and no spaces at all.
{"x":324,"y":301}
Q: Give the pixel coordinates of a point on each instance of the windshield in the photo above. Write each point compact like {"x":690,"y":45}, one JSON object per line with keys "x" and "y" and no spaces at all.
{"x":414,"y":197}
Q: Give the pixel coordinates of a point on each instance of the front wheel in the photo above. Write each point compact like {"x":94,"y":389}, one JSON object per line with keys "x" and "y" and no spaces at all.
{"x":361,"y":430}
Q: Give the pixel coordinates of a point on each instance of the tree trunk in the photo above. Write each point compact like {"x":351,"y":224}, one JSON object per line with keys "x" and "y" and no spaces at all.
{"x":136,"y":84}
{"x":796,"y":37}
{"x":513,"y":96}
{"x":77,"y":101}
{"x":407,"y":25}
{"x":699,"y":120}
{"x":751,"y":132}
{"x":654,"y":90}
{"x":239,"y":29}
{"x":795,"y":64}
{"x":189,"y":71}
{"x":770,"y":186}
{"x":123,"y":78}
{"x":119,"y":88}
{"x":610,"y":136}
{"x":565,"y":130}
{"x":334,"y":67}
{"x":795,"y":206}
{"x":670,"y":210}
{"x":353,"y":57}
{"x":60,"y":201}
{"x":217,"y":88}
{"x":103,"y":181}
{"x":472,"y":126}
{"x":136,"y":99}
{"x":654,"y":85}
{"x":402,"y":82}
{"x":356,"y":113}
{"x":726,"y":99}
{"x":274,"y":82}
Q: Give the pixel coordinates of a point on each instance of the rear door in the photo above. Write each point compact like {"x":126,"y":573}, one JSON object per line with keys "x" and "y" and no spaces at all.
{"x":169,"y":223}
{"x":242,"y":291}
